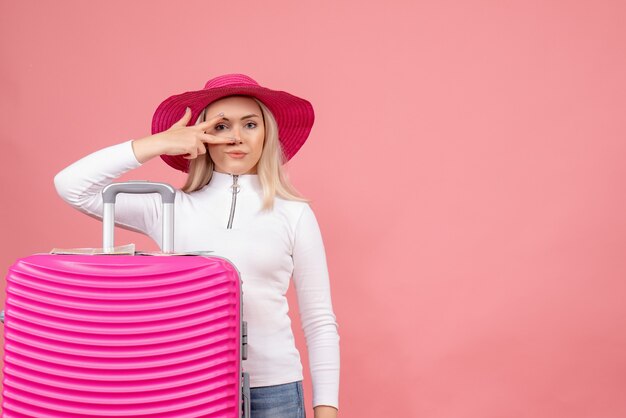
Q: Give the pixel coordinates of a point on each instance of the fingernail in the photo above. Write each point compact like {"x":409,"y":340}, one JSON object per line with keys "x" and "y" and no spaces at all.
{"x":187,"y":108}
{"x":220,"y":114}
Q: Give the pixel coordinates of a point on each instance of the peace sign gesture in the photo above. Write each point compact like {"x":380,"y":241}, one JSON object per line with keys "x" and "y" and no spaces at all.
{"x":180,"y":139}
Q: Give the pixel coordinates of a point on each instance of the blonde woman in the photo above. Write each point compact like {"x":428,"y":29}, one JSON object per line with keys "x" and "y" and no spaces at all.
{"x":238,"y":203}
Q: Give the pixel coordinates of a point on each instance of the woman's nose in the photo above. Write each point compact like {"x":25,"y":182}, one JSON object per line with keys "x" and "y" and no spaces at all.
{"x":235,"y":133}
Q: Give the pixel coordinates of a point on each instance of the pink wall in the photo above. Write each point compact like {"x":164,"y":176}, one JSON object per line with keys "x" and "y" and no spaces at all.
{"x":467,"y":169}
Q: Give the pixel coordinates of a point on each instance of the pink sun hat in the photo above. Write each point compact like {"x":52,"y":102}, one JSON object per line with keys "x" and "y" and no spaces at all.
{"x":293,"y":115}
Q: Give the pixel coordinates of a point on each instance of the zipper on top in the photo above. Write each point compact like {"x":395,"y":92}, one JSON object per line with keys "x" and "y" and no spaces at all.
{"x":235,"y":188}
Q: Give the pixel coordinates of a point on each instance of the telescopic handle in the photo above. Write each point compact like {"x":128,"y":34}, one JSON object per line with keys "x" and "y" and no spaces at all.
{"x":109,"y":195}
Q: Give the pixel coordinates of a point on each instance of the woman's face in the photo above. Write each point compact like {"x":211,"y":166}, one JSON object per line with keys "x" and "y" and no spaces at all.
{"x":243,"y":121}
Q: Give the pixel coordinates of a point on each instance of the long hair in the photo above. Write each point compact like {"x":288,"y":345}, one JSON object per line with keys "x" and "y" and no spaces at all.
{"x":270,"y":166}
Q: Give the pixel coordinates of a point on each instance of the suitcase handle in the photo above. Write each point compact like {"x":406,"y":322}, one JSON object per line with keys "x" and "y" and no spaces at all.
{"x":109,"y":194}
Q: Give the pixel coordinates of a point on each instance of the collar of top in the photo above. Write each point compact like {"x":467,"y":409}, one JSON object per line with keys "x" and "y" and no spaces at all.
{"x":246,"y":182}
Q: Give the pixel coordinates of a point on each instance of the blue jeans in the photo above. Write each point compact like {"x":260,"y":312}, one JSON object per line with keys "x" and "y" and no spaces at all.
{"x":279,"y":401}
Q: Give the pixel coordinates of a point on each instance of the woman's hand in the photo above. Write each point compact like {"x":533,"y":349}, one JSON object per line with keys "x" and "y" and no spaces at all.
{"x":323,"y":411}
{"x":180,"y":139}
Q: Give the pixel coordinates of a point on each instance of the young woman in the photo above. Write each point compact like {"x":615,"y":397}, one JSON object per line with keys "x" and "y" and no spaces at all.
{"x":237,"y":203}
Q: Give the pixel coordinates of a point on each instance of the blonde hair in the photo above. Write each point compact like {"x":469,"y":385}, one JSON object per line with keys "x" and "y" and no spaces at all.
{"x":270,"y":166}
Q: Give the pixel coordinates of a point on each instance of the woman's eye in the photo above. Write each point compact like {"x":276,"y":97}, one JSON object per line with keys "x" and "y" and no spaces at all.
{"x":251,"y":125}
{"x":219,"y":127}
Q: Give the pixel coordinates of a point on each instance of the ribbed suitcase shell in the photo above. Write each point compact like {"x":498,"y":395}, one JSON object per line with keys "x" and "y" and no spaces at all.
{"x":122,"y":336}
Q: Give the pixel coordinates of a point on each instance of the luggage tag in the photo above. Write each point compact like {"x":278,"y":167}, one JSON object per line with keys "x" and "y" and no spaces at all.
{"x":128,"y":249}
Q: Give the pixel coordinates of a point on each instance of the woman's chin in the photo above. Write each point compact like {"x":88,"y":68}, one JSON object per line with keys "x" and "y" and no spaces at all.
{"x":238,"y":169}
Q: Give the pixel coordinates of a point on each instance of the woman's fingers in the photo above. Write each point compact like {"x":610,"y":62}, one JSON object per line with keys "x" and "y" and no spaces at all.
{"x":184,"y":120}
{"x":210,"y":122}
{"x":195,"y":152}
{"x":192,"y":141}
{"x":199,"y":150}
{"x":214,"y":139}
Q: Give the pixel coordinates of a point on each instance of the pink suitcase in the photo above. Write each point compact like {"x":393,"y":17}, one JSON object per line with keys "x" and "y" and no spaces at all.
{"x":124,"y":336}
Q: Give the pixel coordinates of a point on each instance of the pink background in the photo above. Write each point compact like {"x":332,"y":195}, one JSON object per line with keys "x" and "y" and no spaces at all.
{"x":466,"y":167}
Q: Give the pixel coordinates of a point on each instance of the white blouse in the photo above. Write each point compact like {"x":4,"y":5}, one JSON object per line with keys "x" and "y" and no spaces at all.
{"x":268,"y":248}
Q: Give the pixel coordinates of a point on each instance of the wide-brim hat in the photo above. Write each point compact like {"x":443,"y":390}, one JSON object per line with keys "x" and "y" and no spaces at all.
{"x":293,"y":115}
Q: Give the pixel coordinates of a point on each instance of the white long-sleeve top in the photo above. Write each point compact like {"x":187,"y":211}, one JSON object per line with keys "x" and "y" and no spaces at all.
{"x":268,"y":249}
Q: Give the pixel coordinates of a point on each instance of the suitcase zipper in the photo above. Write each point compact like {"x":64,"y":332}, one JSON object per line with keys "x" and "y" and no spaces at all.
{"x":235,"y":188}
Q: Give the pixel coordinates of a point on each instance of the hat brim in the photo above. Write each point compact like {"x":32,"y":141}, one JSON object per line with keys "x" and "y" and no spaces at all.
{"x":294,"y":115}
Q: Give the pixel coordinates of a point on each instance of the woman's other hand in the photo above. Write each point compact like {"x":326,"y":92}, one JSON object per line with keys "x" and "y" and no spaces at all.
{"x":180,"y":139}
{"x":323,"y":411}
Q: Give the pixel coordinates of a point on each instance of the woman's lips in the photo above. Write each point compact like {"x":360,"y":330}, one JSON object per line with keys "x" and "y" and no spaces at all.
{"x":237,"y":155}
